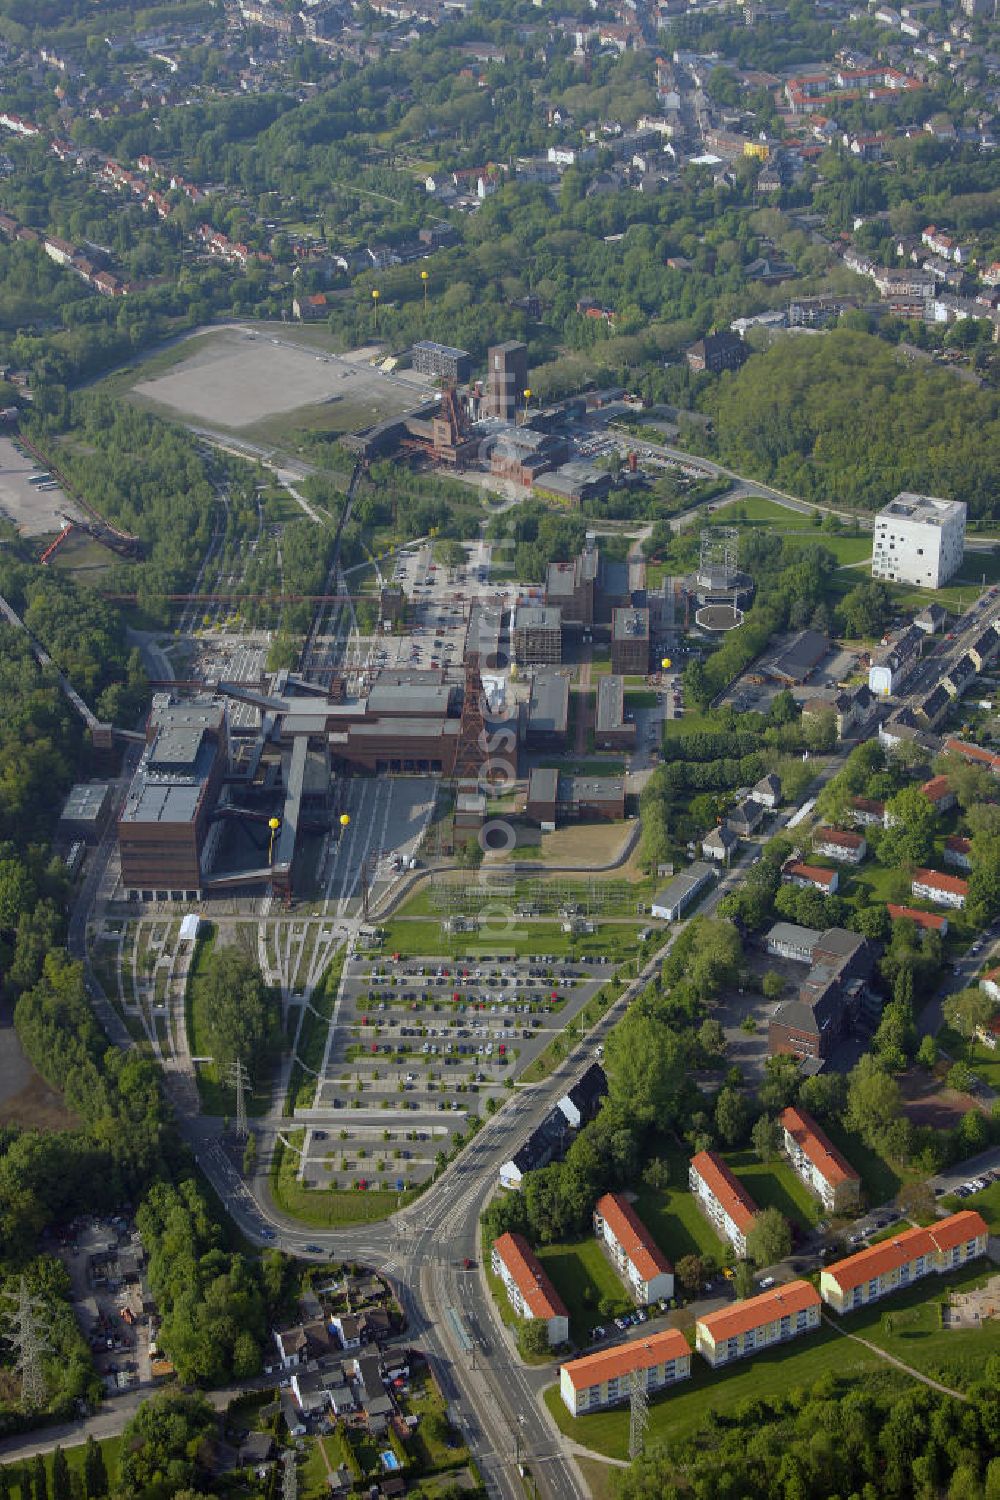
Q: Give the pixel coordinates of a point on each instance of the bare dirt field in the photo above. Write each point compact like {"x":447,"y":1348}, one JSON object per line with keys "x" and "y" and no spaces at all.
{"x":34,"y":511}
{"x":238,"y":379}
{"x":929,"y":1102}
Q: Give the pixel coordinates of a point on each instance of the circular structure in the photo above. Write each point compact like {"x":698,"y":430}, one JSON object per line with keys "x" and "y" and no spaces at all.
{"x":666,"y":664}
{"x":274,"y":824}
{"x":719,"y":617}
{"x":345,"y":819}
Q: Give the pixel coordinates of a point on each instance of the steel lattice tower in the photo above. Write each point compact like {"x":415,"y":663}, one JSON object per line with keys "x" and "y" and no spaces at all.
{"x":239,"y":1078}
{"x":26,"y":1333}
{"x":638,"y":1415}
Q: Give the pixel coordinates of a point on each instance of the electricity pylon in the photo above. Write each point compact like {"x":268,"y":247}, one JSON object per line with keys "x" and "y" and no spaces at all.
{"x":25,"y":1331}
{"x":239,"y":1079}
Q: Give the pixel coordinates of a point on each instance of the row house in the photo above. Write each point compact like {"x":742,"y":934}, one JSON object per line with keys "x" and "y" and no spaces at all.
{"x":974,"y":754}
{"x":943,"y":890}
{"x":945,"y":245}
{"x":893,"y":1264}
{"x":958,"y":852}
{"x":18,"y":124}
{"x":722,"y":1199}
{"x":221,"y":245}
{"x":927,"y":921}
{"x":638,"y":1259}
{"x":529,"y":1290}
{"x":605,"y":1378}
{"x":786,"y":1312}
{"x":818,"y":1162}
{"x":795,"y":872}
{"x":839,"y":844}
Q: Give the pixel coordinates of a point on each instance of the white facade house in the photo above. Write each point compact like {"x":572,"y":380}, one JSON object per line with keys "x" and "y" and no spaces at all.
{"x":722,"y":1199}
{"x":943,"y":890}
{"x":529,"y":1290}
{"x":919,"y":540}
{"x":638,"y":1259}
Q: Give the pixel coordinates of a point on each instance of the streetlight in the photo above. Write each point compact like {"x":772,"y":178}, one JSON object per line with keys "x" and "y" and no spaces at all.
{"x":274,"y":824}
{"x":425,"y":277}
{"x":375,"y":297}
{"x":527,"y":399}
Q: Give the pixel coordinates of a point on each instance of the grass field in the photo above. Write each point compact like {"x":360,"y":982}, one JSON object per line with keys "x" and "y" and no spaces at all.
{"x":673,"y":1218}
{"x":111,"y":1448}
{"x":908,"y":1325}
{"x":680,"y":1413}
{"x":585,"y":1280}
{"x":773,"y":1184}
{"x":984,"y":1061}
{"x":880,"y":1179}
{"x":986,"y":1203}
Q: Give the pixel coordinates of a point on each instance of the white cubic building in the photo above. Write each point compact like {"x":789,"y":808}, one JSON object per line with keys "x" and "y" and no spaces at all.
{"x":919,"y":540}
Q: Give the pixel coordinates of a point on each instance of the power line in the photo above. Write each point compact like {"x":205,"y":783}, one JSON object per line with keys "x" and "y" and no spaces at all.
{"x":25,"y":1331}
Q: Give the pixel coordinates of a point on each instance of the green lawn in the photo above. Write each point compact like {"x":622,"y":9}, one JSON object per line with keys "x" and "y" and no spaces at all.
{"x":673,"y":1218}
{"x":584,"y":1279}
{"x":984,"y":1061}
{"x":908,"y":1325}
{"x":773,"y":1184}
{"x":986,"y":1203}
{"x":880,"y":1180}
{"x":681,"y":1412}
{"x":110,"y":1448}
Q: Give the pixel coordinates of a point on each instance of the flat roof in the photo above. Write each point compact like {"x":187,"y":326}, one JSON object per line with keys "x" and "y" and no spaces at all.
{"x":176,"y":746}
{"x":543,"y":784}
{"x":407,"y":698}
{"x":537,"y":617}
{"x":611,"y":703}
{"x":548,"y":707}
{"x":928,"y":510}
{"x":630,"y":624}
{"x":85,"y":801}
{"x":434,"y":348}
{"x":591,"y":788}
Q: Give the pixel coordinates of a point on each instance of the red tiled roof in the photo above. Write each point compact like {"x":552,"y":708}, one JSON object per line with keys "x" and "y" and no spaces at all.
{"x":817,"y":1146}
{"x":937,"y":882}
{"x":936,"y":788}
{"x":926,"y":919}
{"x":756,"y":1312}
{"x":838,"y":837}
{"x":733,"y":1197}
{"x":868,"y":805}
{"x":540,"y":1296}
{"x":633,"y":1236}
{"x":973,"y":752}
{"x":810,"y":872}
{"x":889,"y":1255}
{"x":642,"y":1354}
{"x":957,"y":844}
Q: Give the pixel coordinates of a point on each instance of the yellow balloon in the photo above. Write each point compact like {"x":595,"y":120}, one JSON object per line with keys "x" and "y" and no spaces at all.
{"x":274,"y":824}
{"x":666,"y":663}
{"x":345,"y":818}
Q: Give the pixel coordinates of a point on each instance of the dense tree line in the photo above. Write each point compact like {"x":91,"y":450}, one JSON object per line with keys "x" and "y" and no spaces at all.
{"x":840,"y":1437}
{"x":242,"y":1018}
{"x":844,"y":419}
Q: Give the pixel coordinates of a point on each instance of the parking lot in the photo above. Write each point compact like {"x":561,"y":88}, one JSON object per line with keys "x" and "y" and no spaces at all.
{"x":419,"y":1045}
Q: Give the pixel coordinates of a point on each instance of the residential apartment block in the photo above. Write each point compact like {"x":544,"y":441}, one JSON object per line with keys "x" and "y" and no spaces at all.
{"x":919,"y":540}
{"x":733,"y":1332}
{"x":909,"y":1255}
{"x":637,"y":1257}
{"x":943,"y":890}
{"x":819,"y":1163}
{"x":722,"y":1198}
{"x":796,"y":872}
{"x":836,"y":843}
{"x":529,"y":1290}
{"x":605,"y":1378}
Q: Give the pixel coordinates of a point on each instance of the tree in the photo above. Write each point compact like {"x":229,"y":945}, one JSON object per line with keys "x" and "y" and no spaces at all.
{"x":916,"y":1201}
{"x":966,"y":1010}
{"x":913,"y":822}
{"x":711,"y":1038}
{"x":533,"y":1338}
{"x":646,"y":1066}
{"x":874,"y":1101}
{"x":766,"y":1135}
{"x":732,"y":1112}
{"x":161,"y":1443}
{"x":927,"y":1053}
{"x":781,"y":1082}
{"x":743,"y":1282}
{"x":770,"y":1239}
{"x":772,"y":985}
{"x":95,"y":1475}
{"x":39,"y":1478}
{"x":241,"y":1017}
{"x":691,"y":1273}
{"x":61,"y":1486}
